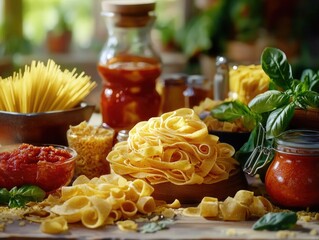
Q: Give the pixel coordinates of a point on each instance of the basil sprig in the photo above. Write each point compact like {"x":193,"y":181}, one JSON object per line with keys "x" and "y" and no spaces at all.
{"x":274,"y":109}
{"x":287,"y":93}
{"x":19,"y":197}
{"x":276,"y":221}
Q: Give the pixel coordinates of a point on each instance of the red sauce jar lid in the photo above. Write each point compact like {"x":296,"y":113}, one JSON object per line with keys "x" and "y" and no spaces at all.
{"x":297,"y":141}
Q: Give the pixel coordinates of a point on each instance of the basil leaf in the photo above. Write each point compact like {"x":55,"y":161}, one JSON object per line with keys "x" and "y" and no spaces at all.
{"x":230,"y":111}
{"x":26,"y":193}
{"x":274,"y":63}
{"x":4,"y":196}
{"x":31,"y":192}
{"x":309,"y":98}
{"x":17,"y":202}
{"x":268,"y":101}
{"x":312,"y":78}
{"x":276,"y":221}
{"x":13,"y":191}
{"x":279,"y":120}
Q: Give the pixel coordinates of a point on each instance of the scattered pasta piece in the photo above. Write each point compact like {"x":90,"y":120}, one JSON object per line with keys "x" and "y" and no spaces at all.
{"x":244,"y":205}
{"x":191,"y":212}
{"x":208,"y":207}
{"x":54,"y":225}
{"x":127,"y":225}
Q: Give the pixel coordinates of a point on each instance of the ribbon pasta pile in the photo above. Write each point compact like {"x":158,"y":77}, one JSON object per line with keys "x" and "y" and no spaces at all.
{"x":176,"y":148}
{"x":98,"y":201}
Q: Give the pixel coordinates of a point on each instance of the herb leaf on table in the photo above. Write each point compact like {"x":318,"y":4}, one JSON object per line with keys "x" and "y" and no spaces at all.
{"x":276,"y":221}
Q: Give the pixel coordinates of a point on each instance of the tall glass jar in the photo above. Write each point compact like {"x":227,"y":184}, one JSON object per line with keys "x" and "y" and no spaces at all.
{"x":128,"y":65}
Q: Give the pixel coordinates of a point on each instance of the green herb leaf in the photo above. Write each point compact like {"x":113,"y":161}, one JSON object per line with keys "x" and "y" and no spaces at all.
{"x":311,"y":77}
{"x":18,"y":197}
{"x":276,"y":221}
{"x":153,"y":227}
{"x":279,"y":120}
{"x":309,"y":98}
{"x":268,"y":101}
{"x":274,"y":63}
{"x":230,"y":111}
{"x":4,"y":196}
{"x":17,"y":202}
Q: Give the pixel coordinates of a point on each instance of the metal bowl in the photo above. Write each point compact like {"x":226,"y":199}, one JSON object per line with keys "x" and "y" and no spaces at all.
{"x":45,"y":127}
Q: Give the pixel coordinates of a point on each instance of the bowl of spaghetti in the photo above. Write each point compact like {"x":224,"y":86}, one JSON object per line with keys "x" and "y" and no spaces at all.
{"x":39,"y":103}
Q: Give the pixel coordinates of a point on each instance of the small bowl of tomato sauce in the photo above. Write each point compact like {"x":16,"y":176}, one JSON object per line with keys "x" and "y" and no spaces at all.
{"x":46,"y":166}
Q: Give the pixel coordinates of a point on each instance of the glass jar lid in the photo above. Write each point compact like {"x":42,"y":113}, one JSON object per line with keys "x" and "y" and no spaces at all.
{"x":298,"y":141}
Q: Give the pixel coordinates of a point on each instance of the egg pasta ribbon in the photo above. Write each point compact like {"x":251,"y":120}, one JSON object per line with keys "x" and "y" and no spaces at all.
{"x":99,"y":201}
{"x":174,"y":147}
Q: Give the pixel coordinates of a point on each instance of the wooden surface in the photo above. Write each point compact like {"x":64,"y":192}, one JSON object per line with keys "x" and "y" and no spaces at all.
{"x":182,"y":228}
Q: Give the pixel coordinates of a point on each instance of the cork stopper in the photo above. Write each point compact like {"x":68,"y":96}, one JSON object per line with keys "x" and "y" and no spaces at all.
{"x":128,"y":8}
{"x":129,"y":13}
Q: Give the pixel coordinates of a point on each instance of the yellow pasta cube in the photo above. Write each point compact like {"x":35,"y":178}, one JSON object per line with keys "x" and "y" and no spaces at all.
{"x":228,"y":127}
{"x":232,"y":210}
{"x":54,"y":225}
{"x":244,"y":197}
{"x":209,"y":207}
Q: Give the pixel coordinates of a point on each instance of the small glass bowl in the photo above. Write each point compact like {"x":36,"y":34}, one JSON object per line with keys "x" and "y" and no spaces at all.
{"x":37,"y":170}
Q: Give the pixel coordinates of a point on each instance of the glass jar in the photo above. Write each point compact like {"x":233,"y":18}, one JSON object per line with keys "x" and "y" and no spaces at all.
{"x":128,"y":66}
{"x":292,"y":179}
{"x":172,"y":93}
{"x":198,"y":88}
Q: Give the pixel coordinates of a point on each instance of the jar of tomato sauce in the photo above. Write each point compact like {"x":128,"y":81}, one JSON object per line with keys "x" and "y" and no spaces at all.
{"x":128,"y":65}
{"x":292,"y":179}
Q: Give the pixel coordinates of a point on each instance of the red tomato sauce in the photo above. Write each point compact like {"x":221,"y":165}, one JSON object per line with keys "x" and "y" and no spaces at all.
{"x":45,"y":166}
{"x":293,"y":180}
{"x":129,"y":94}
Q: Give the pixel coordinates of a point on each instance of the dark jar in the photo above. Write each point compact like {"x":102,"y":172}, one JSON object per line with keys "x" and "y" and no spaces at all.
{"x":128,"y":65}
{"x":292,"y":179}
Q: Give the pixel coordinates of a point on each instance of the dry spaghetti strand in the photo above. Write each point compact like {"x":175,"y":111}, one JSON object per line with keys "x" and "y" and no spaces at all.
{"x":42,"y":88}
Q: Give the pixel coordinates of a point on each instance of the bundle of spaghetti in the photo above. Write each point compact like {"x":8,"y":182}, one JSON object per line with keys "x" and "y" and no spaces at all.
{"x":175,"y":147}
{"x":42,"y":88}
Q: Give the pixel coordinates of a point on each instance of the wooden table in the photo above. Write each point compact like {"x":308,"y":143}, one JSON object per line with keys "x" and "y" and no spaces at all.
{"x":182,"y":228}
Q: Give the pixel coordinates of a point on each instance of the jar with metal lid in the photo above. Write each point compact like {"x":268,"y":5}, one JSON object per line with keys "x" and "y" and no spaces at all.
{"x":172,"y":91}
{"x":128,"y":66}
{"x":221,"y":79}
{"x":198,"y":88}
{"x":292,"y":178}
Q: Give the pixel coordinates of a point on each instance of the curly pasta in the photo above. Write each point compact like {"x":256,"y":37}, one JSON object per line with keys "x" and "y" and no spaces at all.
{"x":176,"y":148}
